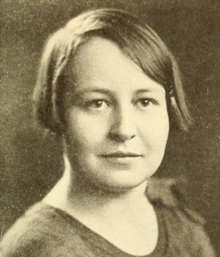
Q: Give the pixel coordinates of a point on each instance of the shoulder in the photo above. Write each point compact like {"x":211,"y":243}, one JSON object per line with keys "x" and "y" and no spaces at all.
{"x":169,"y":194}
{"x":28,"y":232}
{"x":41,"y":231}
{"x":185,"y":227}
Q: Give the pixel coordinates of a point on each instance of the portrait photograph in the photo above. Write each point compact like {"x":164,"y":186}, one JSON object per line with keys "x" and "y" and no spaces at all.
{"x":109,"y":128}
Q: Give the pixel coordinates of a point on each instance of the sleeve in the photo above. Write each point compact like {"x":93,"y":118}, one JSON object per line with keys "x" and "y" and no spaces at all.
{"x":194,"y":237}
{"x":202,"y":241}
{"x":185,"y":228}
{"x":17,"y":244}
{"x":43,"y":232}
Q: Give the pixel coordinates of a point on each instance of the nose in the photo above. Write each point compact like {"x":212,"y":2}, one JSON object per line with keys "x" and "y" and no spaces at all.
{"x":123,"y":126}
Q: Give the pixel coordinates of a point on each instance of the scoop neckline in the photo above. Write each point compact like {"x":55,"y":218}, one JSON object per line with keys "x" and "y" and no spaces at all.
{"x":95,"y":239}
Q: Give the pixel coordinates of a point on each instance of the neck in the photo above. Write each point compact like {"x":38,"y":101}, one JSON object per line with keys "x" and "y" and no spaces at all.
{"x":71,"y":193}
{"x":125,"y":218}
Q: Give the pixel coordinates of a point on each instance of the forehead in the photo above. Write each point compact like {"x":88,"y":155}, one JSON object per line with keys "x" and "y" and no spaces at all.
{"x":101,"y":62}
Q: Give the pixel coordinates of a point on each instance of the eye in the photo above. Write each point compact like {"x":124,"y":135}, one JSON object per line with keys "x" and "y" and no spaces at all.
{"x":97,"y":104}
{"x":144,"y":102}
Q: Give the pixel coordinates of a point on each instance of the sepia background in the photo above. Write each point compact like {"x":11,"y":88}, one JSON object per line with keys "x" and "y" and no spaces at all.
{"x":31,"y":161}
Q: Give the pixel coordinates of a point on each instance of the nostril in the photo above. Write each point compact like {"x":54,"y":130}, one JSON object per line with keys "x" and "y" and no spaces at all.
{"x":114,"y":136}
{"x":120,"y":137}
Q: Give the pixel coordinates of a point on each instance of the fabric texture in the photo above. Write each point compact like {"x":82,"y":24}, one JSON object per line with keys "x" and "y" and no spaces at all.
{"x":44,"y":231}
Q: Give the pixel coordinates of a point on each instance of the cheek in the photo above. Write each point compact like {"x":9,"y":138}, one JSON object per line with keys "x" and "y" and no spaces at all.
{"x":155,"y":131}
{"x":85,"y":130}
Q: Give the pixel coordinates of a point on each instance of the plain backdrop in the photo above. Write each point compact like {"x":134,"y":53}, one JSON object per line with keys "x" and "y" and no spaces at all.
{"x":31,"y":161}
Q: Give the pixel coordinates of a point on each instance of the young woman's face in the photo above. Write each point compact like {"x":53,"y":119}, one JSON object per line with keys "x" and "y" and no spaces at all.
{"x":116,"y":118}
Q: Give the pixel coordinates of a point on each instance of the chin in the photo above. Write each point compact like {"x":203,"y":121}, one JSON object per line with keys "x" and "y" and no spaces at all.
{"x":118,"y":185}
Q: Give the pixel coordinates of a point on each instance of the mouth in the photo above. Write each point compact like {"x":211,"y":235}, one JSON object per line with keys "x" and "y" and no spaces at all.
{"x":121,"y":155}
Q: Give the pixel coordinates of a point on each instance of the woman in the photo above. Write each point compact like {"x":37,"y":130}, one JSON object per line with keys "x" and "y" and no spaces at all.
{"x":110,"y":89}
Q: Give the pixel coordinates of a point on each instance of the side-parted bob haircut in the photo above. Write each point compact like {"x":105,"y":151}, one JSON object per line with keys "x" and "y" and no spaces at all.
{"x":135,"y":39}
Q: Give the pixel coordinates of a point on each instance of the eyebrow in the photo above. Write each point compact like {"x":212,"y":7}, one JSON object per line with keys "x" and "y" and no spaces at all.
{"x":92,"y":90}
{"x":107,"y":91}
{"x":139,"y":91}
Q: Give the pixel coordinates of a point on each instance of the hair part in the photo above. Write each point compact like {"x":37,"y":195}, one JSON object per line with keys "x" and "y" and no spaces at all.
{"x":138,"y":41}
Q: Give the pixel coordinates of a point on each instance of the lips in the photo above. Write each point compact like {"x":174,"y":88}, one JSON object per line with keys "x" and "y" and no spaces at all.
{"x":120,"y":154}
